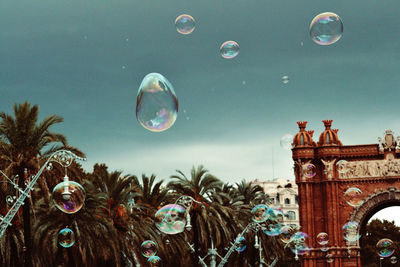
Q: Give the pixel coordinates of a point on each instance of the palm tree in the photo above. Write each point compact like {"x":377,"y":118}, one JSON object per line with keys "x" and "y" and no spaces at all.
{"x":22,"y":141}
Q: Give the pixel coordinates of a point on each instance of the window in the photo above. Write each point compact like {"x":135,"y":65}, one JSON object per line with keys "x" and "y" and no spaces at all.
{"x":291,"y":215}
{"x":277,"y":199}
{"x":296,"y":199}
{"x":272,"y":200}
{"x":287,"y":201}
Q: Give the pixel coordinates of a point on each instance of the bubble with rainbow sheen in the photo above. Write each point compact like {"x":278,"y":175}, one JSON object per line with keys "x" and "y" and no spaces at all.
{"x":300,"y":249}
{"x":326,"y":28}
{"x":299,"y":237}
{"x":273,"y":229}
{"x":329,"y":258}
{"x":259,"y":213}
{"x":341,"y":166}
{"x":66,"y":237}
{"x":350,"y":231}
{"x":354,"y":196}
{"x":229,"y":49}
{"x":322,"y":239}
{"x":393,"y":260}
{"x":286,"y":233}
{"x":310,"y":170}
{"x":156,"y":104}
{"x":185,"y":24}
{"x":68,"y":196}
{"x":154,"y":260}
{"x":170,"y":219}
{"x":385,"y":248}
{"x":240,"y":244}
{"x":286,"y":141}
{"x":149,"y":248}
{"x":275,"y":214}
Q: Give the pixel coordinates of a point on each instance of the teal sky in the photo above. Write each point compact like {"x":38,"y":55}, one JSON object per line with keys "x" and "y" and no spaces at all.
{"x":84,"y":61}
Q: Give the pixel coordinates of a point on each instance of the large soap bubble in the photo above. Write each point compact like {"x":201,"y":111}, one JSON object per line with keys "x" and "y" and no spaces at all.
{"x":275,"y":214}
{"x":149,"y":248}
{"x":350,"y":231}
{"x":286,"y":233}
{"x":170,"y":219}
{"x":385,"y":248}
{"x":68,"y":196}
{"x":322,"y":239}
{"x":185,"y":24}
{"x":260,"y":213}
{"x":298,"y":243}
{"x":326,"y":28}
{"x":229,"y":49}
{"x":66,"y":237}
{"x":273,"y":229}
{"x":354,"y":196}
{"x":286,"y":141}
{"x":157,"y":104}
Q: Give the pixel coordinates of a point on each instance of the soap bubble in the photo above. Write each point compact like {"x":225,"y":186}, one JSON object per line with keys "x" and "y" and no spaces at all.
{"x":275,"y":214}
{"x":385,"y":248}
{"x":324,"y":249}
{"x":66,"y":237}
{"x":69,"y":196}
{"x":322,"y":238}
{"x":260,"y":213}
{"x":185,"y":24}
{"x":285,"y":79}
{"x":157,"y":104}
{"x":350,"y":231}
{"x":341,"y":166}
{"x":240,"y":244}
{"x":310,"y":170}
{"x":286,"y":141}
{"x":170,"y":219}
{"x":326,"y":28}
{"x":286,"y":233}
{"x":273,"y":229}
{"x":393,"y":260}
{"x":329,"y":258}
{"x":149,"y":248}
{"x":298,"y":243}
{"x":229,"y":49}
{"x":354,"y":196}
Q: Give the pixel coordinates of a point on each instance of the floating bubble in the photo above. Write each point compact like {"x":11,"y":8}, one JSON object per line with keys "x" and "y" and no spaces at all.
{"x":66,"y":237}
{"x":341,"y":166}
{"x":322,"y":239}
{"x":354,"y":196}
{"x":157,"y":104}
{"x":299,"y":237}
{"x":326,"y":28}
{"x":350,"y":231}
{"x":170,"y":219}
{"x":310,"y":170}
{"x":149,"y":248}
{"x":275,"y":214}
{"x":154,"y":259}
{"x":286,"y":233}
{"x":285,"y":79}
{"x":240,"y":244}
{"x":185,"y":24}
{"x":260,"y":213}
{"x":329,"y":258}
{"x":69,"y":196}
{"x":286,"y":141}
{"x":300,"y":249}
{"x":385,"y":248}
{"x":229,"y":49}
{"x":324,"y":249}
{"x":298,"y":243}
{"x":273,"y":229}
{"x":393,"y":260}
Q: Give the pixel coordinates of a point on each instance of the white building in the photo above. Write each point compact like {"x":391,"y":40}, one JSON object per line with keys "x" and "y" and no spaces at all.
{"x":284,"y":195}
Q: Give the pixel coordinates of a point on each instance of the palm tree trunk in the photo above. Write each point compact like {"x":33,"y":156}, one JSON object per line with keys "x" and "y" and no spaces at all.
{"x":195,"y":254}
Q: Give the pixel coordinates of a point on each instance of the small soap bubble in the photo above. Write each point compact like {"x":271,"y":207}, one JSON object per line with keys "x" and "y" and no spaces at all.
{"x":157,"y":104}
{"x":229,"y":49}
{"x":385,"y":248}
{"x":322,"y":239}
{"x":326,"y":28}
{"x":341,"y":166}
{"x":149,"y":248}
{"x":170,"y":219}
{"x":350,"y":231}
{"x":393,"y":260}
{"x":329,"y":258}
{"x":240,"y":244}
{"x":285,"y":79}
{"x":185,"y":24}
{"x":66,"y":237}
{"x":286,"y":141}
{"x":69,"y":196}
{"x":354,"y":196}
{"x":260,"y":213}
{"x":310,"y":170}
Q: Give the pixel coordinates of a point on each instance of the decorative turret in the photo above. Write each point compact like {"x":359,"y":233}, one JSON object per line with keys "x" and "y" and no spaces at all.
{"x":329,"y":137}
{"x":303,"y":138}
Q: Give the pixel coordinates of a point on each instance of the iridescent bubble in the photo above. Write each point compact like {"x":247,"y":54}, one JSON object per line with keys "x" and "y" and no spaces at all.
{"x":393,"y":260}
{"x":69,"y":196}
{"x":300,"y":249}
{"x":285,"y":79}
{"x":149,"y":248}
{"x":286,"y":141}
{"x":260,"y":213}
{"x":329,"y":258}
{"x":275,"y":214}
{"x":322,"y":239}
{"x":66,"y":237}
{"x":154,"y":259}
{"x":185,"y":24}
{"x":326,"y":28}
{"x":170,"y":219}
{"x":299,"y":237}
{"x":157,"y":104}
{"x":341,"y":166}
{"x":240,"y":244}
{"x":350,"y":231}
{"x":310,"y":170}
{"x":273,"y":229}
{"x":354,"y":196}
{"x":229,"y":49}
{"x":286,"y":233}
{"x":385,"y":248}
{"x":298,"y":243}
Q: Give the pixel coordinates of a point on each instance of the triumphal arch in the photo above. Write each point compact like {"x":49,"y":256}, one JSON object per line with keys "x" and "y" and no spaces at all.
{"x":325,"y":170}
